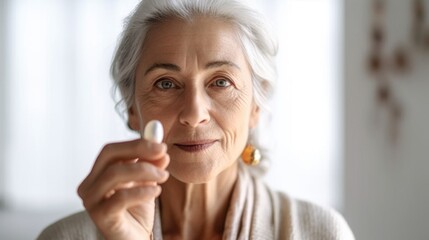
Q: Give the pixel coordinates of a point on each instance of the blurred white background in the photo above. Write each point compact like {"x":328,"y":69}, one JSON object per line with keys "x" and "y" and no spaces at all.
{"x":56,"y":112}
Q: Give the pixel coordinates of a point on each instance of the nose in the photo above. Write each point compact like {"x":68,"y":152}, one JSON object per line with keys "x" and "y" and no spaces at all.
{"x":195,"y":109}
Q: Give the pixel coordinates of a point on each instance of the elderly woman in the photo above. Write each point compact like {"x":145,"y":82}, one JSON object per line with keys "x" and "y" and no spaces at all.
{"x":205,"y":69}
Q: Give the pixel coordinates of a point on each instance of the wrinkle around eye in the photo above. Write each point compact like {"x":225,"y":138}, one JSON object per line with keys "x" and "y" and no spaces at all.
{"x":161,"y":84}
{"x":149,"y":93}
{"x":231,"y":81}
{"x":228,"y":83}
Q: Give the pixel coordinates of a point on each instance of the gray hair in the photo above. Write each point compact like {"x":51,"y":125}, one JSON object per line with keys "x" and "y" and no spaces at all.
{"x":259,"y":45}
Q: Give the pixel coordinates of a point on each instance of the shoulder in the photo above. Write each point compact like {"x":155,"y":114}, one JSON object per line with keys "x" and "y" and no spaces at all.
{"x":310,"y":221}
{"x":76,"y":226}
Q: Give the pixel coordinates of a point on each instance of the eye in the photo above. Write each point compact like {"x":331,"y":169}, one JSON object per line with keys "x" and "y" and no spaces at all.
{"x":222,"y":83}
{"x":165,"y":84}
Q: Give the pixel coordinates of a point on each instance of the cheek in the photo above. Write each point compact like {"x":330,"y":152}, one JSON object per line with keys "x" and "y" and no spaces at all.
{"x":234,"y":101}
{"x":233,"y":116}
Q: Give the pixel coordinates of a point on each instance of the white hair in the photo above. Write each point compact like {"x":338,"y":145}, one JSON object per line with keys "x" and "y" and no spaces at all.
{"x":259,"y":45}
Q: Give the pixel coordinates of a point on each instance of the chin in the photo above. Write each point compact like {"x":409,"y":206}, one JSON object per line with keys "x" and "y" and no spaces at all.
{"x":196,"y":173}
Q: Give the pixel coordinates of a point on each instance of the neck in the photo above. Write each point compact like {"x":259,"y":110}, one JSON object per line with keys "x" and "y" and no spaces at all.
{"x":197,"y":211}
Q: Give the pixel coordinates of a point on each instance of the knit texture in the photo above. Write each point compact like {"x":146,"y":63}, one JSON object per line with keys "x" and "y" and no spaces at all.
{"x":256,"y":212}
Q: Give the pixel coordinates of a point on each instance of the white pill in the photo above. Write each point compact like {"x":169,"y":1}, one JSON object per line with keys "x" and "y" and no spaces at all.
{"x":154,"y":131}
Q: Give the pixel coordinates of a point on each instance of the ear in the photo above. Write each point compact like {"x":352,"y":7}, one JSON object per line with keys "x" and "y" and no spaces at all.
{"x":254,"y":116}
{"x":133,"y":118}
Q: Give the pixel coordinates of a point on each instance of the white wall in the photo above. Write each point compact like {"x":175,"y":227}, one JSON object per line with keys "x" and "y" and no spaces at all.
{"x":386,"y":186}
{"x":2,"y":100}
{"x":58,"y":88}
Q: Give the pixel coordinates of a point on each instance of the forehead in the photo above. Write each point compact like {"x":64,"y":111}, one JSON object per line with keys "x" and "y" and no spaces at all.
{"x":206,"y":38}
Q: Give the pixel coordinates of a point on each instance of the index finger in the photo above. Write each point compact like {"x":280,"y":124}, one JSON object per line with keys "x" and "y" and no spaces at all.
{"x":126,"y":151}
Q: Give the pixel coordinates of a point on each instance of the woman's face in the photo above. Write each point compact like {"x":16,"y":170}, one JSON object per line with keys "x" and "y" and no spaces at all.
{"x":194,"y":78}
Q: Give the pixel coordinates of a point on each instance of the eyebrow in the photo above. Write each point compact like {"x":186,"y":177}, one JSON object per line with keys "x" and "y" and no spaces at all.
{"x":217,"y":64}
{"x":173,"y":67}
{"x":167,"y":66}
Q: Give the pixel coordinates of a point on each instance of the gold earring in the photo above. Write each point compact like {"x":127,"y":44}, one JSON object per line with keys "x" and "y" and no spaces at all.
{"x":251,"y":155}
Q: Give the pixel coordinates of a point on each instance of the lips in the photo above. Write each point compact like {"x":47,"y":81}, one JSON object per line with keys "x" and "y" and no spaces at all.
{"x":195,"y":146}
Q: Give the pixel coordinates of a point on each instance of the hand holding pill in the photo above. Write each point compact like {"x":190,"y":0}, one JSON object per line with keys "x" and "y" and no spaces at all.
{"x":122,"y":187}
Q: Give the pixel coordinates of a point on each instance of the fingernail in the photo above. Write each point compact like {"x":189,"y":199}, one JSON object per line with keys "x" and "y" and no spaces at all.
{"x":163,"y":174}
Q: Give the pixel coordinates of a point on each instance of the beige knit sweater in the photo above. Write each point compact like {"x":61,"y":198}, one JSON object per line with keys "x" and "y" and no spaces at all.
{"x":256,"y":212}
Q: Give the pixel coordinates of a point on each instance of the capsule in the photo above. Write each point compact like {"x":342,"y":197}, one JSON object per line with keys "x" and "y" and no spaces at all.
{"x":154,"y":131}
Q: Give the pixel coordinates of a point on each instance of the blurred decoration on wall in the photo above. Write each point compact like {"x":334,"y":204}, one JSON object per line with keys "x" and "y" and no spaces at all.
{"x":383,"y":63}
